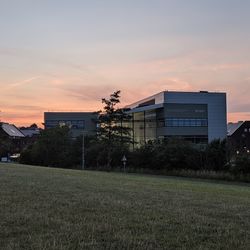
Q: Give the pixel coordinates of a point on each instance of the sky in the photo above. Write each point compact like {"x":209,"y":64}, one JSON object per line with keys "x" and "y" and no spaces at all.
{"x":65,"y":55}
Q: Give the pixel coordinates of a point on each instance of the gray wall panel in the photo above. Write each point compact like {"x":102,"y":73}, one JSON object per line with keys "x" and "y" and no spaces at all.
{"x":217,"y":110}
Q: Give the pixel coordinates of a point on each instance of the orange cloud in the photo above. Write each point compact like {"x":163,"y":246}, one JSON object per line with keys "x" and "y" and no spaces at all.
{"x":80,"y":87}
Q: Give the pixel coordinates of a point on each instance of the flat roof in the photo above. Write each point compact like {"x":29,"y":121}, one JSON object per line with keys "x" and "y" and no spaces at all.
{"x":160,"y":97}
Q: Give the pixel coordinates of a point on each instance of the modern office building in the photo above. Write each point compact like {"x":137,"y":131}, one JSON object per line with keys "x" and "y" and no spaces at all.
{"x":199,"y":117}
{"x":78,"y":122}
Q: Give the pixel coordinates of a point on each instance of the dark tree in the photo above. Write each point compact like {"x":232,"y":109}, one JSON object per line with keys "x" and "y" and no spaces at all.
{"x":113,"y":125}
{"x":34,"y":126}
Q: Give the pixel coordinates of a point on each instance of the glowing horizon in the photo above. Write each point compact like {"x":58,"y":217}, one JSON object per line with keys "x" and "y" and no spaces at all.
{"x":36,"y":115}
{"x":67,"y":55}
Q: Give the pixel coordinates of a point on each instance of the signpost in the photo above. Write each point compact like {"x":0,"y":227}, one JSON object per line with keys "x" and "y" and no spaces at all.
{"x":124,"y":161}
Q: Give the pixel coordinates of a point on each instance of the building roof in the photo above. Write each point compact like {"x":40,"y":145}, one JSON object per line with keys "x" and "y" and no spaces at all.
{"x":30,"y":132}
{"x":173,"y":96}
{"x":233,"y":127}
{"x":11,"y":130}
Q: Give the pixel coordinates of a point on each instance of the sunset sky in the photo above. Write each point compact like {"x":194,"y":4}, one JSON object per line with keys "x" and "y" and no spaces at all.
{"x":63,"y":55}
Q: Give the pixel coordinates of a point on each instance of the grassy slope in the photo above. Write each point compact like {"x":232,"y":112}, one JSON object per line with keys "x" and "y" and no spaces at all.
{"x":43,"y":208}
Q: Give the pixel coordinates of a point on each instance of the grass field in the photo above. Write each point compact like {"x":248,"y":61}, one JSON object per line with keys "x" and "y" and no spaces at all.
{"x":45,"y":208}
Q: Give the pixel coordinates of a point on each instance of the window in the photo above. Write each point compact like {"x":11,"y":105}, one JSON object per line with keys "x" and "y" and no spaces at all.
{"x":186,"y":122}
{"x":74,"y":124}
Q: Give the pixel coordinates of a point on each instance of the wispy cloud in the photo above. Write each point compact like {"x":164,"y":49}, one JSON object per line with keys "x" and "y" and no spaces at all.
{"x":23,"y":82}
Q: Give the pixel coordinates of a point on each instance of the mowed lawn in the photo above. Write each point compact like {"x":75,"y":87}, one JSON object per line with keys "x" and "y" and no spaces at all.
{"x":46,"y":208}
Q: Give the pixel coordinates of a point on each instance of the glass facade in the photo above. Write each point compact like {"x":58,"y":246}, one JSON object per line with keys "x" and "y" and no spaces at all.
{"x":139,"y":128}
{"x":152,"y":124}
{"x":144,"y":126}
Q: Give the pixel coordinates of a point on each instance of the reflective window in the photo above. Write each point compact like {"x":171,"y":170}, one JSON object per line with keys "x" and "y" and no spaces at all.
{"x":75,"y":124}
{"x":185,"y":122}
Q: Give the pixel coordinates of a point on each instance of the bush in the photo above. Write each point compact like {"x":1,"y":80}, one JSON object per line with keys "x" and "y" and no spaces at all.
{"x":216,"y":155}
{"x":56,"y":148}
{"x":97,"y":155}
{"x":241,"y":164}
{"x":53,"y":148}
{"x":168,"y":154}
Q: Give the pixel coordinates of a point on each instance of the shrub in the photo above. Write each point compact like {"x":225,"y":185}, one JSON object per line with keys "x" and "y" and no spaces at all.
{"x":53,"y":148}
{"x":216,"y":155}
{"x":168,"y":154}
{"x":241,"y":164}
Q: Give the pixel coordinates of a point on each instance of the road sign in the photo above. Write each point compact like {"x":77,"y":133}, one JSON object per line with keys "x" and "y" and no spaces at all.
{"x":124,"y":159}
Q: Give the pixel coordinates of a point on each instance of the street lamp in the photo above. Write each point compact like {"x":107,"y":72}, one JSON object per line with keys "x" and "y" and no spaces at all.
{"x":83,"y":149}
{"x":83,"y":152}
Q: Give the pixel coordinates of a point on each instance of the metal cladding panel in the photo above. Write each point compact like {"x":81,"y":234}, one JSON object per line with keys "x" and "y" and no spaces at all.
{"x":180,"y":110}
{"x":217,"y":109}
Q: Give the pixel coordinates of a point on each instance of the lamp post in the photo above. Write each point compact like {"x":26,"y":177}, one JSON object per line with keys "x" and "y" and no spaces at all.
{"x":83,"y":152}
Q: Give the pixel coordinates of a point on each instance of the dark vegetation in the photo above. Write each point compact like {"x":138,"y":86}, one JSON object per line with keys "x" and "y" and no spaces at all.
{"x":56,"y":148}
{"x":7,"y":145}
{"x":53,"y":148}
